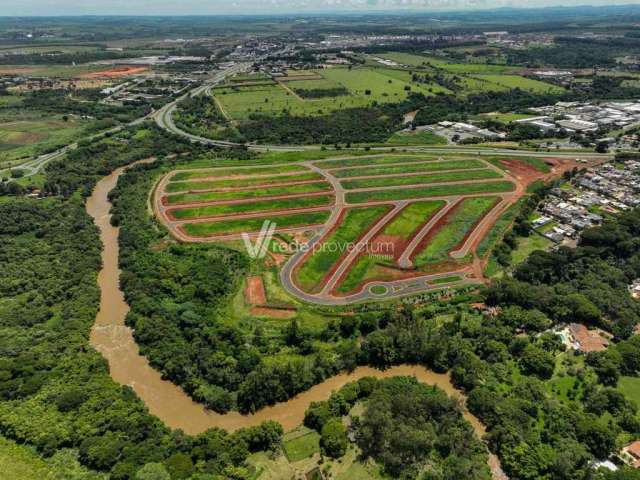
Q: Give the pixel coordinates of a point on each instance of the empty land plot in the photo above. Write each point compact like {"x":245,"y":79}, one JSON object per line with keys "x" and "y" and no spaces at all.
{"x":413,"y":168}
{"x":433,"y":191}
{"x":236,"y":172}
{"x":249,"y":225}
{"x":365,"y":161}
{"x":411,"y":218}
{"x":173,"y":187}
{"x":422,"y":179}
{"x":244,"y":194}
{"x":406,"y":58}
{"x":516,"y":81}
{"x":359,"y":81}
{"x":355,"y":222}
{"x":471,"y":85}
{"x":406,"y":77}
{"x":250,"y":207}
{"x":239,"y":103}
{"x":455,"y":228}
{"x":399,"y":231}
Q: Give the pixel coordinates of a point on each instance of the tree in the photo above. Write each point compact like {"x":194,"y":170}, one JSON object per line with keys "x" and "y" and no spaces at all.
{"x":153,"y":471}
{"x":536,"y":361}
{"x":333,"y":440}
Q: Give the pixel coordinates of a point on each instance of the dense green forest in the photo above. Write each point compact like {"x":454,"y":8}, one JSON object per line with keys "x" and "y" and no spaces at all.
{"x":411,"y":429}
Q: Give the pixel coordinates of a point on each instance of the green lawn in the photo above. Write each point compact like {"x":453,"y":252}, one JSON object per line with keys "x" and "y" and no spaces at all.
{"x":354,"y":223}
{"x":255,"y":224}
{"x":301,"y":443}
{"x":458,"y":224}
{"x":236,"y":172}
{"x":412,"y":218}
{"x":413,"y":168}
{"x":420,"y":179}
{"x":244,"y":194}
{"x":432,"y":191}
{"x":173,"y":187}
{"x":527,"y":245}
{"x":630,"y":386}
{"x":257,"y":206}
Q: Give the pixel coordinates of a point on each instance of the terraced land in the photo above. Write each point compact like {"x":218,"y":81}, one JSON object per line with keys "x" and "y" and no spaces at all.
{"x":375,"y":226}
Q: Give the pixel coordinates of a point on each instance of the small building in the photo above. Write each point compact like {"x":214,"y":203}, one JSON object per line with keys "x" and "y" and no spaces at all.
{"x":586,"y":340}
{"x":631,"y":454}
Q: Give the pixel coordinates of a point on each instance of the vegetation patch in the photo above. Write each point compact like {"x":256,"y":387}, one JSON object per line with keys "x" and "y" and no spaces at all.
{"x":457,"y":225}
{"x":236,"y":172}
{"x":250,"y":207}
{"x":255,"y":224}
{"x":421,"y":179}
{"x":239,"y":183}
{"x":320,"y":262}
{"x":409,"y":168}
{"x":434,"y":191}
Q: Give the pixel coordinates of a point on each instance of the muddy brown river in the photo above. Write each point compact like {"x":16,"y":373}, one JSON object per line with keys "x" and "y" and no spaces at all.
{"x":169,"y":402}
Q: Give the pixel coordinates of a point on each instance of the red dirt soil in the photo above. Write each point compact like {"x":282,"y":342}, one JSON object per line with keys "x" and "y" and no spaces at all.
{"x":254,"y":292}
{"x":116,"y":72}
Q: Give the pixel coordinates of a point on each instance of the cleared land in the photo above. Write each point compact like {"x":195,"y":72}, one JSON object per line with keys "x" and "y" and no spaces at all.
{"x":418,"y":179}
{"x":258,"y":206}
{"x":255,"y":224}
{"x":434,"y":191}
{"x":236,"y":172}
{"x":244,"y":194}
{"x":239,"y":183}
{"x":456,"y":226}
{"x":400,"y":169}
{"x":354,"y":223}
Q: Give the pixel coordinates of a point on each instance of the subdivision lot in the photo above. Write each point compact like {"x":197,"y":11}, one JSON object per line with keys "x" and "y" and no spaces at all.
{"x":250,"y":225}
{"x":244,"y":194}
{"x":453,"y":230}
{"x":465,"y":176}
{"x":197,"y":185}
{"x":431,"y":191}
{"x":433,"y":166}
{"x":235,"y":172}
{"x":245,"y":207}
{"x":322,"y":260}
{"x":377,"y":226}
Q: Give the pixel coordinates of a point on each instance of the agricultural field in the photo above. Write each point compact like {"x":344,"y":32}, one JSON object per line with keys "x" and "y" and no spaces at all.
{"x":357,"y":87}
{"x":27,"y":135}
{"x":374,"y":225}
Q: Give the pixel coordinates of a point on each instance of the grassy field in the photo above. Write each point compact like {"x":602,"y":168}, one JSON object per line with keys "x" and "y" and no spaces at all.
{"x":243,"y":194}
{"x":411,"y":218}
{"x":419,"y":179}
{"x":236,"y":172}
{"x":354,"y":223}
{"x":250,"y":207}
{"x":30,"y":135}
{"x":630,"y":386}
{"x":417,"y":137}
{"x":358,"y":273}
{"x":516,"y":81}
{"x":458,"y":224}
{"x":507,"y":117}
{"x":365,"y":86}
{"x":426,"y":61}
{"x":433,"y":191}
{"x":528,"y":245}
{"x":413,"y":168}
{"x":366,"y":161}
{"x":301,"y":443}
{"x":239,"y":183}
{"x":255,"y":224}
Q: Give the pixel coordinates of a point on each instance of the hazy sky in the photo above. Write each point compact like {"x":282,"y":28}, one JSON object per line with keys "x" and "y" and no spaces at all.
{"x":212,"y":7}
